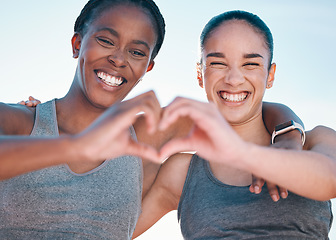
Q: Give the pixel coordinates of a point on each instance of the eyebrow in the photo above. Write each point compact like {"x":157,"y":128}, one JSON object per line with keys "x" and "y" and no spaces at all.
{"x":253,"y":55}
{"x":141,"y":43}
{"x":222,"y":55}
{"x":215,"y":54}
{"x":110,"y":30}
{"x":115,"y":33}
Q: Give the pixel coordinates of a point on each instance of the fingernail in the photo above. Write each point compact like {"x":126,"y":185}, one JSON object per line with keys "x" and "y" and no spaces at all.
{"x":256,"y":189}
{"x":283,"y":195}
{"x":274,"y":198}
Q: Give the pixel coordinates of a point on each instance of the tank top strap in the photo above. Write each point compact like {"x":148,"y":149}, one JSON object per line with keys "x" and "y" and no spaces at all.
{"x":45,"y":120}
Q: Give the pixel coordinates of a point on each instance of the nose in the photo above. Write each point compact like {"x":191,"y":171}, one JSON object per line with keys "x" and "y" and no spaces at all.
{"x":117,"y":58}
{"x":234,"y":77}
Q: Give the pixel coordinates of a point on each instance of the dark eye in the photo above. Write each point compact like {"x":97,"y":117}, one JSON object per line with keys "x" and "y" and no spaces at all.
{"x":137,"y":53}
{"x":217,"y":64}
{"x":251,"y":65}
{"x":105,"y":42}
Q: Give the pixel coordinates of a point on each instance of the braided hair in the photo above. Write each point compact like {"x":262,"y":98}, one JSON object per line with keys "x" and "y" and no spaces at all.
{"x":94,"y":8}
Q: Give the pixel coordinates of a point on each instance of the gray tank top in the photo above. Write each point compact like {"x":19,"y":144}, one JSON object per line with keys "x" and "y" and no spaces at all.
{"x":56,"y":203}
{"x":210,"y":209}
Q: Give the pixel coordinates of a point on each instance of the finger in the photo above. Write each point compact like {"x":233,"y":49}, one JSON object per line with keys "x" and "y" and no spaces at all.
{"x":29,"y":104}
{"x":34,"y":100}
{"x":33,"y":103}
{"x":22,"y":102}
{"x":176,"y":146}
{"x":273,"y":191}
{"x":124,"y":114}
{"x":150,"y":106}
{"x":257,"y":184}
{"x":200,"y":112}
{"x":150,"y":114}
{"x":154,"y":115}
{"x":144,"y":151}
{"x":283,"y":192}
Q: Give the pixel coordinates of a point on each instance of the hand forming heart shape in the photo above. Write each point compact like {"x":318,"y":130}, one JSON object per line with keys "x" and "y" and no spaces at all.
{"x":184,"y":125}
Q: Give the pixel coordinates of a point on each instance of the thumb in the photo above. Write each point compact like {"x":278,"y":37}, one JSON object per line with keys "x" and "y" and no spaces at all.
{"x":143,"y":151}
{"x":175,"y":146}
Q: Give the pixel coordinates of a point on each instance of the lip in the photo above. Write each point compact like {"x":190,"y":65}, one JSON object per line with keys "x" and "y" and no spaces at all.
{"x":113,"y":75}
{"x":233,"y":98}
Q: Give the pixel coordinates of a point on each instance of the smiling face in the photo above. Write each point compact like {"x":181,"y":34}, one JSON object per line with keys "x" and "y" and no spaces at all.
{"x":236,"y":70}
{"x":114,"y":54}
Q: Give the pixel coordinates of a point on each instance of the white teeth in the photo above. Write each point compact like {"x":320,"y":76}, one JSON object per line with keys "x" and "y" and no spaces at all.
{"x":234,"y":97}
{"x":110,"y":80}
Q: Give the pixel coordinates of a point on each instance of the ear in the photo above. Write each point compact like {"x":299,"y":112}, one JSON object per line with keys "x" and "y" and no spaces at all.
{"x":271,"y":76}
{"x":76,"y":42}
{"x":199,"y":74}
{"x":150,"y":66}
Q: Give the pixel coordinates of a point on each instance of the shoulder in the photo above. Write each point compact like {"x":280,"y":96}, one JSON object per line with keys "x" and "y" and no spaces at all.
{"x":16,"y":119}
{"x":173,"y":173}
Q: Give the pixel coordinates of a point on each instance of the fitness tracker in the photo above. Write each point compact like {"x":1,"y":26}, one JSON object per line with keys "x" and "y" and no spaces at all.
{"x":287,"y":127}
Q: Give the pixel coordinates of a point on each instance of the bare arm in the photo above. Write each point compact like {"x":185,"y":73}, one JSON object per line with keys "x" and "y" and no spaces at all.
{"x":275,"y":114}
{"x":311,"y":174}
{"x":179,"y":129}
{"x":165,"y":193}
{"x":307,"y":173}
{"x":24,"y":154}
{"x":20,"y":154}
{"x":322,"y":139}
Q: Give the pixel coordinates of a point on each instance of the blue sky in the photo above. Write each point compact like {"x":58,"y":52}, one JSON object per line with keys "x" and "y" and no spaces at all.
{"x":36,"y":56}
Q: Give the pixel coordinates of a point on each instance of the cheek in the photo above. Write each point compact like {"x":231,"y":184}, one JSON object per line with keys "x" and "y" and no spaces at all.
{"x":213,"y":76}
{"x":139,"y":68}
{"x":259,"y":78}
{"x":209,"y":87}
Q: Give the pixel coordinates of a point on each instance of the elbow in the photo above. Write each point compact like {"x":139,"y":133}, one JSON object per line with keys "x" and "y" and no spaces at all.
{"x":333,"y":186}
{"x":330,"y":191}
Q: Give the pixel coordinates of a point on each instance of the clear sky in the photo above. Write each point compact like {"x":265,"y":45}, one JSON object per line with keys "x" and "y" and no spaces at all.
{"x":36,"y":57}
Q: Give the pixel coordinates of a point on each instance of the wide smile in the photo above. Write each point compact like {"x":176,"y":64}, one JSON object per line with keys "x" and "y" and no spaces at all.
{"x":234,"y":97}
{"x":110,"y":80}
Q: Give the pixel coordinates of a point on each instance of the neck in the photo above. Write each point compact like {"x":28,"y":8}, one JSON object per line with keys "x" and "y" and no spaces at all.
{"x":75,"y":112}
{"x":253,"y":131}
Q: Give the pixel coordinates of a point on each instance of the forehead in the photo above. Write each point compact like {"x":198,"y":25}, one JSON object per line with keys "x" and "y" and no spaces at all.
{"x":126,"y":19}
{"x":236,"y":36}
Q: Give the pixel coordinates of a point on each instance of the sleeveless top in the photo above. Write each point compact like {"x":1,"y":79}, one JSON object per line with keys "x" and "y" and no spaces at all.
{"x":56,"y":203}
{"x":209,"y":209}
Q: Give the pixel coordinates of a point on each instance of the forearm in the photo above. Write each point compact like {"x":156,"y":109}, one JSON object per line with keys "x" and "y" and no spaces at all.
{"x":305,"y":173}
{"x":20,"y":155}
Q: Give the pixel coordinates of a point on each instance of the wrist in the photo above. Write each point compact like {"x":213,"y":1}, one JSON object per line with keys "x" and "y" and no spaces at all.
{"x":292,"y":136}
{"x":244,"y":160}
{"x":289,"y":131}
{"x":74,"y":149}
